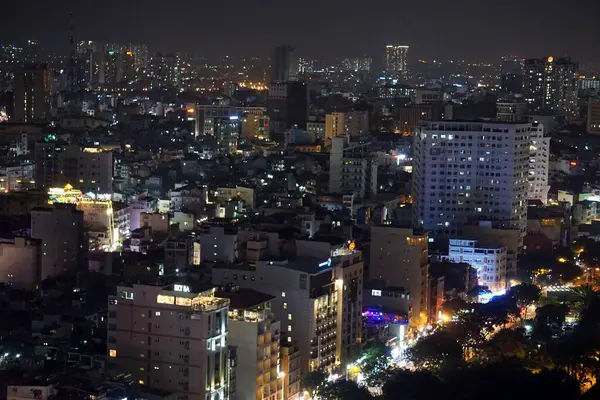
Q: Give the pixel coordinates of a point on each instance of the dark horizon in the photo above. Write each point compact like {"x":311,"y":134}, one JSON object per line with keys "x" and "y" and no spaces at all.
{"x":320,"y":30}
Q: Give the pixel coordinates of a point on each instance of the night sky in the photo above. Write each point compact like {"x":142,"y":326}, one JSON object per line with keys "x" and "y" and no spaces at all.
{"x":470,"y":29}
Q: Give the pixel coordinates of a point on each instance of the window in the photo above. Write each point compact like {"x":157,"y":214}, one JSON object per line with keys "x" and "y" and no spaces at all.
{"x":285,"y":306}
{"x":289,"y":328}
{"x":112,"y":352}
{"x":289,"y":339}
{"x":141,"y":382}
{"x":289,"y":317}
{"x":282,"y":294}
{"x":157,"y":313}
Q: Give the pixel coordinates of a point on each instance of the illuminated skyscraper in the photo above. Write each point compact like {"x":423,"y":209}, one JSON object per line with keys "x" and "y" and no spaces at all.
{"x":396,"y":60}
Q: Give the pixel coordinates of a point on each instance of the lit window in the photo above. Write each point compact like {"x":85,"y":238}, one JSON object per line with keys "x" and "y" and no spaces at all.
{"x":112,"y":352}
{"x":141,"y":382}
{"x":376,"y":293}
{"x":157,"y":313}
{"x":289,"y":317}
{"x":289,"y":328}
{"x":289,"y":339}
{"x":285,"y":306}
{"x":282,"y":294}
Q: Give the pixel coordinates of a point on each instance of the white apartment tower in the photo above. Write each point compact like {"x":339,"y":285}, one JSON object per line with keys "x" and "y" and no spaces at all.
{"x":468,"y":171}
{"x":539,"y":151}
{"x":351,"y":168}
{"x":396,"y":59}
{"x":171,"y":338}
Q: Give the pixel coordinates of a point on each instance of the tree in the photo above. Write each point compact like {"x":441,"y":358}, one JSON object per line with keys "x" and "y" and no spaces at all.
{"x":406,"y":385}
{"x":506,"y":343}
{"x":345,"y":390}
{"x":314,"y":382}
{"x":432,"y":351}
{"x":525,"y":294}
{"x":375,"y":364}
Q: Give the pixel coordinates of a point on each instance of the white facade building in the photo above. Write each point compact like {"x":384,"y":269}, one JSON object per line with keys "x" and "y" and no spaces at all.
{"x":470,"y":171}
{"x":352,"y":169}
{"x":171,"y":338}
{"x":539,"y":152}
{"x":490,"y":262}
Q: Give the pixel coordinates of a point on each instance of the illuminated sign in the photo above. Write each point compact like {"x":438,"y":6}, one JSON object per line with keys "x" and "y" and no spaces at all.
{"x":351,"y":246}
{"x":550,"y":59}
{"x":181,"y":288}
{"x":325,"y":264}
{"x":183,"y":301}
{"x":162,"y":299}
{"x":376,"y":293}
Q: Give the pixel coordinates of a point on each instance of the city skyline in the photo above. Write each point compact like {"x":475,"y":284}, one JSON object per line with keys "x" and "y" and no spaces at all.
{"x":355,"y":31}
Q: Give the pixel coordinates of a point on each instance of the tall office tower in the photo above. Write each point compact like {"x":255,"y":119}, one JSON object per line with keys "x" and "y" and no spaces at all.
{"x":31,"y":93}
{"x":399,"y":257}
{"x":539,"y":153}
{"x":533,"y":83}
{"x":352,"y":123}
{"x":352,"y":169}
{"x":256,"y":337}
{"x":171,"y":338}
{"x":111,"y":64}
{"x":560,"y":86}
{"x":489,"y":261}
{"x":593,"y":117}
{"x":511,"y":75}
{"x":467,"y":171}
{"x":165,"y":70}
{"x":140,"y":55}
{"x":227,"y":134}
{"x":287,"y":106}
{"x":511,"y":110}
{"x":284,"y":65}
{"x":305,"y":65}
{"x":90,"y":169}
{"x":60,"y":229}
{"x":396,"y":60}
{"x":318,"y":299}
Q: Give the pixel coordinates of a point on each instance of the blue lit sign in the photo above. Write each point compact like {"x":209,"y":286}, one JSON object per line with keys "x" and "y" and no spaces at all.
{"x":325,"y":264}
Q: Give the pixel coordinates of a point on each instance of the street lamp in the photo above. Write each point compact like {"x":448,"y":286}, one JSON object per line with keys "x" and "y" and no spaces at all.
{"x":348,"y":368}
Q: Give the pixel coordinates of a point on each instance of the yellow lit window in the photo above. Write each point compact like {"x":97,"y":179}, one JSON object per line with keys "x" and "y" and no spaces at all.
{"x":141,"y":382}
{"x":289,"y":317}
{"x":285,"y":306}
{"x":282,"y":294}
{"x":289,"y":328}
{"x":289,"y":339}
{"x":112,"y":352}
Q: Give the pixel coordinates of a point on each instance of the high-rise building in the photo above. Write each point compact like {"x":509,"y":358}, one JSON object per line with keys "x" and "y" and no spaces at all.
{"x":470,"y":171}
{"x":352,"y":123}
{"x":593,"y":117}
{"x":255,"y":127}
{"x":399,"y":258}
{"x":284,"y":65}
{"x":560,"y":86}
{"x":171,"y":338}
{"x":31,"y":94}
{"x":357,"y":64}
{"x":551,"y":84}
{"x":256,"y":337}
{"x":287,"y":106}
{"x":165,"y":70}
{"x":352,"y":168}
{"x":88,"y":168}
{"x":511,"y":75}
{"x":533,"y":83}
{"x":396,"y":60}
{"x":511,"y":110}
{"x":539,"y":153}
{"x":227,"y":134}
{"x":60,"y":229}
{"x":489,"y":262}
{"x":317,"y":299}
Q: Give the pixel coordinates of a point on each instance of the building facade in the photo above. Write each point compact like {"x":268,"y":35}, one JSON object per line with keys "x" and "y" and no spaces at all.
{"x":352,"y":168}
{"x":488,"y":261}
{"x":171,"y":338}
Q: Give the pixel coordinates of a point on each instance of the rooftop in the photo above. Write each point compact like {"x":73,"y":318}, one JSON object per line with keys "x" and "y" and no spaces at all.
{"x":241,"y":299}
